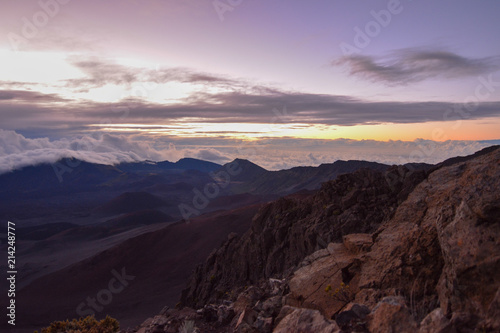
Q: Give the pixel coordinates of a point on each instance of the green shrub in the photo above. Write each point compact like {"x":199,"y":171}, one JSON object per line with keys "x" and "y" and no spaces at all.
{"x":84,"y":325}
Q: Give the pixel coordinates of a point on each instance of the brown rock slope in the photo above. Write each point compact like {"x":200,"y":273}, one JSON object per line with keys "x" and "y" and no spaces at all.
{"x":424,"y":262}
{"x":285,"y":231}
{"x":440,"y":252}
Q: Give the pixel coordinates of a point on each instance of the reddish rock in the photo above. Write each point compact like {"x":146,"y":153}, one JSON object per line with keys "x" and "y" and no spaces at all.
{"x":306,"y":321}
{"x":391,"y":316}
{"x":357,"y":243}
{"x":435,"y":322}
{"x":315,"y":285}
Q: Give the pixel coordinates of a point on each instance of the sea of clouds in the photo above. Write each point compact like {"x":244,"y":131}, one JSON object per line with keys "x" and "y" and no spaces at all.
{"x":17,"y":151}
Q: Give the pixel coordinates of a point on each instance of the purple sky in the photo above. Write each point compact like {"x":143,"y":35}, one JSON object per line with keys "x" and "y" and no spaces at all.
{"x":201,"y":78}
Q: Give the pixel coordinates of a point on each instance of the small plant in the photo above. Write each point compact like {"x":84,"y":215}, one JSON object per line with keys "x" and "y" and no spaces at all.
{"x":341,"y":294}
{"x":84,"y":325}
{"x":188,"y":327}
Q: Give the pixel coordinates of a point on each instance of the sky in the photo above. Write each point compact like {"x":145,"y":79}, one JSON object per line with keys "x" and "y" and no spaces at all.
{"x":282,"y":83}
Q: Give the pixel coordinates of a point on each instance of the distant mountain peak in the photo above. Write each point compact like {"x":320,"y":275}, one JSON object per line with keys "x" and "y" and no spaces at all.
{"x":246,"y":163}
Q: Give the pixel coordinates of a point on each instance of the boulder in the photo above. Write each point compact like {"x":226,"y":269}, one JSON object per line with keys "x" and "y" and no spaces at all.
{"x":435,"y":322}
{"x":357,"y":243}
{"x":264,"y":324}
{"x":306,"y":321}
{"x":315,"y":285}
{"x":391,"y":315}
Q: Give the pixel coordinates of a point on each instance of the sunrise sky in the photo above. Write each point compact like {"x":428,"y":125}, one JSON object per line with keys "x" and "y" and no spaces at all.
{"x":282,"y":82}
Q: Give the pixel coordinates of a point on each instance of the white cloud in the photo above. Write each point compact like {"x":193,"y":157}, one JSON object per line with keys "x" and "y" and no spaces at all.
{"x":17,"y":151}
{"x":273,"y":154}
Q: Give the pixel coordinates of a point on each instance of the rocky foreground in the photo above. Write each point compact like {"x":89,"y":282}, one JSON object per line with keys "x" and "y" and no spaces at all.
{"x":400,"y":251}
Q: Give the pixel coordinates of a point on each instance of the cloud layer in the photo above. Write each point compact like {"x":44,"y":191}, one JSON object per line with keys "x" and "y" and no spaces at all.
{"x":415,"y":65}
{"x":25,"y":110}
{"x":17,"y":151}
{"x":222,"y":99}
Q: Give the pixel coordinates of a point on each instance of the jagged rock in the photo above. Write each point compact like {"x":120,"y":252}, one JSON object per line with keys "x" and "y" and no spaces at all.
{"x":164,"y":311}
{"x":493,"y":314}
{"x":147,"y":322}
{"x":276,"y":286}
{"x":247,"y":299}
{"x":305,"y":321}
{"x":353,"y":319}
{"x":357,"y":243}
{"x":321,"y":285}
{"x":444,"y":238}
{"x":209,"y":313}
{"x":433,"y":249}
{"x":360,"y":310}
{"x":248,"y":317}
{"x":285,"y":311}
{"x":284,"y":232}
{"x":264,"y":324}
{"x":464,"y":322}
{"x":435,"y":322}
{"x":314,"y":256}
{"x":225,"y":314}
{"x":346,"y":319}
{"x":245,"y":328}
{"x":391,"y":315}
{"x":471,"y":254}
{"x":272,"y":306}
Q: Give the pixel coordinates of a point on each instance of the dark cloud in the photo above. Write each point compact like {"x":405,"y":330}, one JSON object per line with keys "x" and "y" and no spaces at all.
{"x":233,"y":107}
{"x":99,"y":72}
{"x":414,"y":65}
{"x":29,"y":96}
{"x":241,"y":102}
{"x":302,"y":108}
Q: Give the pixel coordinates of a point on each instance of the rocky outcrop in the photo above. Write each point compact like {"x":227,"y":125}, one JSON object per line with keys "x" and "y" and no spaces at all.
{"x":299,"y":320}
{"x":391,"y":315}
{"x":440,"y":253}
{"x":431,"y":264}
{"x":287,"y":230}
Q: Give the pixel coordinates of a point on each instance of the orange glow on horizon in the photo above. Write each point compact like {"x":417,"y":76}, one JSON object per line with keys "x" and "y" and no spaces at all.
{"x":484,"y":129}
